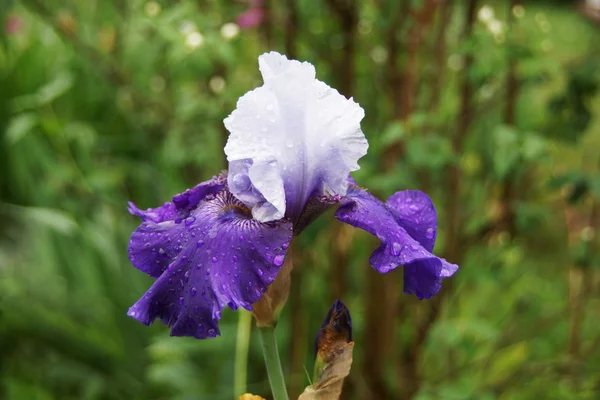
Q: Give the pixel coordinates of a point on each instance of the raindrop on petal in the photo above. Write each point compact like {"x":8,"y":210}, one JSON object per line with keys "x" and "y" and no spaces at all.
{"x":429,"y":233}
{"x":396,"y":248}
{"x":278,"y":260}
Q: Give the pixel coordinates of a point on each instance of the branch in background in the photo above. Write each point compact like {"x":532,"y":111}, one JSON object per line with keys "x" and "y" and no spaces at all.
{"x":465,"y":117}
{"x":346,"y":11}
{"x":440,"y":54}
{"x":507,"y":196}
{"x":268,"y":23}
{"x":379,"y":338}
{"x":453,"y":249}
{"x":393,"y":72}
{"x":581,"y":279}
{"x":394,"y":77}
{"x":402,"y":82}
{"x":291,"y":29}
{"x":422,"y":18}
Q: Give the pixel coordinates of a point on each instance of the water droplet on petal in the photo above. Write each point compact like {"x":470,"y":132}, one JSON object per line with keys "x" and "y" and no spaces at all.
{"x":260,"y":272}
{"x":181,"y":300}
{"x":396,"y":248}
{"x":235,"y":258}
{"x":278,"y":260}
{"x":215,"y":259}
{"x":429,"y":233}
{"x":193,"y":291}
{"x":189,"y":221}
{"x":200,"y":243}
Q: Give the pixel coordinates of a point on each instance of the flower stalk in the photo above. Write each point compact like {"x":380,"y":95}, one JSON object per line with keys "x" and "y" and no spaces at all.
{"x":273,"y":363}
{"x":241,"y":353}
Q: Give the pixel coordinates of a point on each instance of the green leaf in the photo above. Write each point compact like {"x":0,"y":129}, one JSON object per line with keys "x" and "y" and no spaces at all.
{"x":57,"y":220}
{"x":81,"y":132}
{"x":429,"y":151}
{"x":506,"y":151}
{"x":594,"y":184}
{"x":533,"y":147}
{"x":20,"y":126}
{"x":55,"y":88}
{"x":394,"y":132}
{"x":506,"y":362}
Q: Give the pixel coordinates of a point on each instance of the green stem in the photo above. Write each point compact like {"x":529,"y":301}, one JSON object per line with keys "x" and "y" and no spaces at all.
{"x":269,"y":344}
{"x":241,"y":353}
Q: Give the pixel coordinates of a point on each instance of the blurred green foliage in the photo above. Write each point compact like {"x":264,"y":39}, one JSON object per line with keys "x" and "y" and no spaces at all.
{"x":102,"y":102}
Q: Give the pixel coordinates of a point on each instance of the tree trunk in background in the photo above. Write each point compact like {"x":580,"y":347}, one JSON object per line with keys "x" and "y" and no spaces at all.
{"x":412,"y":309}
{"x":268,"y":23}
{"x":579,"y":281}
{"x":506,"y":221}
{"x":381,"y":302}
{"x":453,"y":251}
{"x":393,"y":72}
{"x":381,"y":298}
{"x":465,"y":117}
{"x":440,"y":54}
{"x":422,"y":18}
{"x":346,"y":12}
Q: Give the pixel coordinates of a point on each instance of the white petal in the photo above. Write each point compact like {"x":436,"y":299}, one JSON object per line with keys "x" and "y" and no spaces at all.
{"x":296,"y":138}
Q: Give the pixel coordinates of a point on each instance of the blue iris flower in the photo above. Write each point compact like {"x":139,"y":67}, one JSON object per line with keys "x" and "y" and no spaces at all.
{"x":292,"y":145}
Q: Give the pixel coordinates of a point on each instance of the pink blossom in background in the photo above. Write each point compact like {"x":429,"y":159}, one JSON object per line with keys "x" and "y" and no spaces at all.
{"x":12,"y":25}
{"x":252,"y":17}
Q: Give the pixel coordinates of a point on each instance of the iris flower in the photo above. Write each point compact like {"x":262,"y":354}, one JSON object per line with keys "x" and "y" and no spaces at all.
{"x":293,"y":142}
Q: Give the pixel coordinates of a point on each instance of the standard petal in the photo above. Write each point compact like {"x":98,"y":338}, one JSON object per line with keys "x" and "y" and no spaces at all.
{"x":423,"y":271}
{"x":212,"y":255}
{"x":301,"y":136}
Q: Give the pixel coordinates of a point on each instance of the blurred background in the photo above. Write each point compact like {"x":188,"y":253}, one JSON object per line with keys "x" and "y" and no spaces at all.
{"x":491,"y":107}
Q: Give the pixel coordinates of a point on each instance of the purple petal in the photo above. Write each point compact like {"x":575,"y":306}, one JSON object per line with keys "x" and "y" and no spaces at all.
{"x":190,"y":198}
{"x":211,"y":254}
{"x":423,"y":271}
{"x":165,"y":213}
{"x":415,"y":212}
